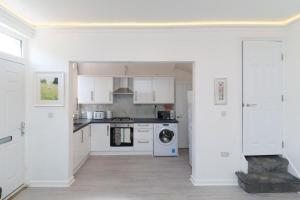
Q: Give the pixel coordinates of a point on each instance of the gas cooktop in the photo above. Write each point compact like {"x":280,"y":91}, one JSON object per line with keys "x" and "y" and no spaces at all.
{"x":122,"y":119}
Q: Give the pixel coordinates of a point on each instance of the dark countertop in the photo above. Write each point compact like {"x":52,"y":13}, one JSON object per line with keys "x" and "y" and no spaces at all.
{"x":81,"y":123}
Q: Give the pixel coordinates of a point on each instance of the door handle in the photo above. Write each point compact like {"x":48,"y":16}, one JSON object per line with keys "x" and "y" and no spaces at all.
{"x":22,"y":128}
{"x":135,"y":95}
{"x":6,"y":140}
{"x":251,"y":105}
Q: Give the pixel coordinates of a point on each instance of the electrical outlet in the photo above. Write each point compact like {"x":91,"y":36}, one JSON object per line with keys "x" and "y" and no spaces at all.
{"x":225,"y":154}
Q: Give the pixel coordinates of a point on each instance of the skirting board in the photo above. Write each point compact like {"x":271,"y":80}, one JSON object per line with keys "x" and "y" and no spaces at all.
{"x":114,"y":153}
{"x":58,"y":183}
{"x":201,"y":182}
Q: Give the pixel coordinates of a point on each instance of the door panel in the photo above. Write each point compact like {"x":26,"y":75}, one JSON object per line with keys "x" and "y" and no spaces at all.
{"x":85,"y":89}
{"x":163,"y":88}
{"x":143,"y":91}
{"x":103,"y":90}
{"x":262,"y":97}
{"x":11,"y":116}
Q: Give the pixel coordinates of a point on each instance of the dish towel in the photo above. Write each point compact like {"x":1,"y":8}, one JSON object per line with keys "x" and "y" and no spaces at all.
{"x":127,"y":138}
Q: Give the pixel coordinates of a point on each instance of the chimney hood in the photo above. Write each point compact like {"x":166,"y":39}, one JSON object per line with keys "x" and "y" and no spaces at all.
{"x":123,"y":86}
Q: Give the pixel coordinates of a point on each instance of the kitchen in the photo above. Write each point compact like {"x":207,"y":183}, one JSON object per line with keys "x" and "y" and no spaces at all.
{"x":130,"y":109}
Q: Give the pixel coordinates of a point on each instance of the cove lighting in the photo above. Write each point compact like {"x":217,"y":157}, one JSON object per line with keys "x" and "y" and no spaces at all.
{"x":192,"y":23}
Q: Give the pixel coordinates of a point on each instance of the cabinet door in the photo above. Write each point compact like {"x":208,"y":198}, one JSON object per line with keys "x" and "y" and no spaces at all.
{"x":86,"y":140}
{"x":76,"y":148}
{"x":85,"y":89}
{"x":100,"y":137}
{"x":163,"y":88}
{"x":143,"y":91}
{"x":103,"y":90}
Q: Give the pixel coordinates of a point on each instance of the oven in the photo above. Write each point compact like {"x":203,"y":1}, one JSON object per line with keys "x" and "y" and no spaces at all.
{"x":121,"y":135}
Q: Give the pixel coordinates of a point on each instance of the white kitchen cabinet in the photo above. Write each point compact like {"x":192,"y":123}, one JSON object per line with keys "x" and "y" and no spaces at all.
{"x":153,"y":90}
{"x":103,"y":90}
{"x":100,"y":137}
{"x":95,"y":90}
{"x":143,"y":90}
{"x":85,"y":89}
{"x":143,"y":138}
{"x":81,"y":147}
{"x":163,"y":88}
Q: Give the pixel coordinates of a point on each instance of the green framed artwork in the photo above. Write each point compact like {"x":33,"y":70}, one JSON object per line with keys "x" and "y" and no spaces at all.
{"x":49,"y":89}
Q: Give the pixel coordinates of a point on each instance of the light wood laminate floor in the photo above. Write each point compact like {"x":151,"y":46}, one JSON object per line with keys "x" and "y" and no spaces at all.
{"x":141,"y":178}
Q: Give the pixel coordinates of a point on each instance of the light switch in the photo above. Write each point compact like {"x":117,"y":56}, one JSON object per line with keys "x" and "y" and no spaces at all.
{"x":223,"y":113}
{"x":50,"y":115}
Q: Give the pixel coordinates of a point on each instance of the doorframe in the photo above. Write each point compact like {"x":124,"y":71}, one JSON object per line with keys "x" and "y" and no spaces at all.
{"x":284,"y":51}
{"x":70,"y":104}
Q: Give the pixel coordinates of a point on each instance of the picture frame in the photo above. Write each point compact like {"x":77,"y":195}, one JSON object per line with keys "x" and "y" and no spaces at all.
{"x":220,"y":89}
{"x":49,"y":89}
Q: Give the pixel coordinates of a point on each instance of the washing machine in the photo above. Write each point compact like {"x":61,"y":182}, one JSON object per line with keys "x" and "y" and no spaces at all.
{"x":165,"y":139}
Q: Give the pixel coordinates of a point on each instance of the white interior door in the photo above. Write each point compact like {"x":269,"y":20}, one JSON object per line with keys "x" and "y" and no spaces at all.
{"x":262,"y":97}
{"x":12,"y":104}
{"x":182,"y":87}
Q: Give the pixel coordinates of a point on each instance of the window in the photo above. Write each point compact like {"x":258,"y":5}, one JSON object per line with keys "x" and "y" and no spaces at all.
{"x":10,"y":45}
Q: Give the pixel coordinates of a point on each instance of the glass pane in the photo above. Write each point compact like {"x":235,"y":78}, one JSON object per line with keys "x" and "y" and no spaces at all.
{"x":10,"y":45}
{"x":166,"y":136}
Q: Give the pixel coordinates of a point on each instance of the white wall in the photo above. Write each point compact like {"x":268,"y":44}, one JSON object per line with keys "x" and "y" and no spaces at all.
{"x":216,"y":52}
{"x":292,"y":109}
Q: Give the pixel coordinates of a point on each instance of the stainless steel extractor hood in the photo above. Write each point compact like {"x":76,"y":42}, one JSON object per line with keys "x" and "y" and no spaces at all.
{"x":123,"y":87}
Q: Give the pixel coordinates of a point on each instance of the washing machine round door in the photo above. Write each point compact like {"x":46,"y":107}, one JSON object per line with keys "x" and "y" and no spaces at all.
{"x":166,"y":136}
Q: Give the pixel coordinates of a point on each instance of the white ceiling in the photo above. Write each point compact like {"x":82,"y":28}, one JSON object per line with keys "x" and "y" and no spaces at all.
{"x":89,"y":11}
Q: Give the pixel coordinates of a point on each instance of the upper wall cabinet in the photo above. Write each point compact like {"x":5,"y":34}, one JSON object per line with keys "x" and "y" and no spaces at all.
{"x":95,"y":90}
{"x":163,"y":88}
{"x":143,"y":91}
{"x":154,"y":90}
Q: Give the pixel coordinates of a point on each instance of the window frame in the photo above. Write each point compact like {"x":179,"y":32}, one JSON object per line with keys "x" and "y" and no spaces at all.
{"x":10,"y":57}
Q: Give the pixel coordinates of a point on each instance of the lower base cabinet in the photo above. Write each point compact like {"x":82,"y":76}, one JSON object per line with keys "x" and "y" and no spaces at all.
{"x":81,"y":147}
{"x":143,"y":138}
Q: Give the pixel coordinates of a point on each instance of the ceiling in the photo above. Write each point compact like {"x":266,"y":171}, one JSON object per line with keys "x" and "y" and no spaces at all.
{"x":55,"y":12}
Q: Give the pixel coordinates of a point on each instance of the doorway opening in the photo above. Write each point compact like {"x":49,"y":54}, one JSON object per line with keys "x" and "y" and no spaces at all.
{"x":152,"y":103}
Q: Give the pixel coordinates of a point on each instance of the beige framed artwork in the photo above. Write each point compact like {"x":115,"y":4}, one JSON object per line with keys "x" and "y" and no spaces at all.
{"x":49,"y":89}
{"x":220,"y":91}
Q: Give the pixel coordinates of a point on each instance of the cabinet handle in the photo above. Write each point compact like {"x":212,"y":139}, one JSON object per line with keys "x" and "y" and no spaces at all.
{"x":110,"y":96}
{"x":143,"y":131}
{"x":77,"y":104}
{"x":107,"y":130}
{"x":143,"y":142}
{"x":81,"y":136}
{"x":135,"y":95}
{"x":153,"y":95}
{"x":92,"y":96}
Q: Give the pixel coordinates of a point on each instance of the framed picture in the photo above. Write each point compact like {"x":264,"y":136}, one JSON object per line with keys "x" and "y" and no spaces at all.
{"x":49,"y":89}
{"x":220,"y":91}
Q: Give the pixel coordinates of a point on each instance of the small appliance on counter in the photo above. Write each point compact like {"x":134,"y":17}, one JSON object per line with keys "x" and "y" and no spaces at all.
{"x":163,"y":115}
{"x":109,"y":114}
{"x":99,"y":115}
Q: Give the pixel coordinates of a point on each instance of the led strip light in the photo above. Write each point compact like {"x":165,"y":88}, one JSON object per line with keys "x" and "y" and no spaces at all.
{"x":174,"y":24}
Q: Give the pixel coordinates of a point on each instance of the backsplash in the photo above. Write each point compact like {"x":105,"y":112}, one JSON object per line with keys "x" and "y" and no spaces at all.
{"x":123,"y":107}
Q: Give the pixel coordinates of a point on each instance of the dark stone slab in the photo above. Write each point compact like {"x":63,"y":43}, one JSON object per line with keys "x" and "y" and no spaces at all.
{"x":268,"y":182}
{"x":262,"y":164}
